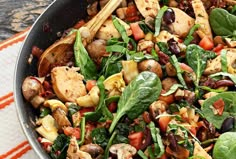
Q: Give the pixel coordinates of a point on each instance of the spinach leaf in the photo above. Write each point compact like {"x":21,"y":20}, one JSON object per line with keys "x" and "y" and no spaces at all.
{"x":100,"y":136}
{"x":137,"y":96}
{"x":172,"y":89}
{"x":44,"y":112}
{"x":190,"y":37}
{"x":72,"y":109}
{"x":158,"y":20}
{"x":142,"y":155}
{"x":222,"y":22}
{"x":87,"y":67}
{"x":117,"y":48}
{"x":140,"y":56}
{"x":229,"y":99}
{"x":233,"y":10}
{"x":60,"y":144}
{"x":224,"y":61}
{"x":231,"y":76}
{"x":121,"y":29}
{"x":225,"y":146}
{"x":175,"y":63}
{"x":197,"y":59}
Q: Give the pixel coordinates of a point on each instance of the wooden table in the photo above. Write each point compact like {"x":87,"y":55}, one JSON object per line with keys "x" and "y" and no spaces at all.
{"x":16,"y":15}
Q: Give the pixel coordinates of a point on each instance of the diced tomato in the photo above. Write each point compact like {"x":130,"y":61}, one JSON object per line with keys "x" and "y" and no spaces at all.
{"x":163,"y":123}
{"x":112,"y":107}
{"x":85,"y":110}
{"x":185,"y":67}
{"x":79,"y":24}
{"x":90,"y":84}
{"x":146,"y":117}
{"x":131,"y":11}
{"x":164,"y":156}
{"x":219,"y":106}
{"x":70,"y":131}
{"x":168,"y":99}
{"x":218,"y":48}
{"x":135,"y":139}
{"x":137,"y":31}
{"x":206,"y":43}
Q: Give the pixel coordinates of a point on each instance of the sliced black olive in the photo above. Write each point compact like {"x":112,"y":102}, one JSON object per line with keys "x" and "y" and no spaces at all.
{"x":173,"y":46}
{"x":169,"y":16}
{"x":227,"y":125}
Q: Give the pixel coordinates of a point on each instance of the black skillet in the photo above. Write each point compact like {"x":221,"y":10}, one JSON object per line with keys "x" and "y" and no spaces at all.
{"x":59,"y":16}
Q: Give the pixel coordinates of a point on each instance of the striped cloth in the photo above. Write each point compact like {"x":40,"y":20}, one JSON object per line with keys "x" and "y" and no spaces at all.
{"x":13,"y":143}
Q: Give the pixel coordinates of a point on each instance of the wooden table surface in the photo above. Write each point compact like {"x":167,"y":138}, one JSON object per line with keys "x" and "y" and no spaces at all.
{"x":17,"y":15}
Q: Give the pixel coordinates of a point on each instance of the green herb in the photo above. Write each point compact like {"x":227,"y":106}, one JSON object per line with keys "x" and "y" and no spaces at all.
{"x":87,"y":67}
{"x":164,"y":48}
{"x":190,"y":37}
{"x":106,"y":153}
{"x":197,"y":60}
{"x":229,"y":99}
{"x":117,"y":48}
{"x":112,"y":99}
{"x":211,"y":90}
{"x":175,"y":63}
{"x":231,"y":76}
{"x":158,"y":20}
{"x":225,"y":146}
{"x":72,"y":109}
{"x":140,"y":56}
{"x":137,"y":96}
{"x":82,"y":128}
{"x":222,"y":22}
{"x":224,"y":61}
{"x":100,"y":136}
{"x":172,"y":89}
{"x":156,"y":137}
{"x":144,"y":27}
{"x":60,"y":144}
{"x":142,"y":155}
{"x":44,"y":112}
{"x":233,"y":10}
{"x":121,"y":29}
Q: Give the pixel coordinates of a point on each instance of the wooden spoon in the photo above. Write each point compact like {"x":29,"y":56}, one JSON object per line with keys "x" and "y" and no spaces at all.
{"x":57,"y":52}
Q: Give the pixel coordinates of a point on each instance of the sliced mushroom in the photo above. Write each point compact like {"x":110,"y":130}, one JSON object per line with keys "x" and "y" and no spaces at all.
{"x":89,"y":100}
{"x":148,"y":8}
{"x":31,"y":88}
{"x":93,"y":149}
{"x":61,"y":119}
{"x":73,"y":151}
{"x":97,"y":49}
{"x":152,"y":66}
{"x":57,"y":51}
{"x":202,"y":19}
{"x":67,"y":83}
{"x":130,"y":70}
{"x":182,"y":24}
{"x":123,"y":151}
{"x":108,"y":30}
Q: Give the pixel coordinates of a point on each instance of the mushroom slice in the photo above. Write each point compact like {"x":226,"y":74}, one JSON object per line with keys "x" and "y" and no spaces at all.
{"x":148,"y":7}
{"x":67,"y":83}
{"x":182,"y":24}
{"x":61,"y":119}
{"x":108,"y":30}
{"x":199,"y":151}
{"x":93,"y":149}
{"x":73,"y":151}
{"x":123,"y":151}
{"x":58,"y":51}
{"x":202,"y":19}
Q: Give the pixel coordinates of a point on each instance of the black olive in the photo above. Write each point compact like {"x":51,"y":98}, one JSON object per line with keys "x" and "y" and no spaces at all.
{"x":227,"y":125}
{"x":169,"y":16}
{"x":173,"y":46}
{"x":173,"y":142}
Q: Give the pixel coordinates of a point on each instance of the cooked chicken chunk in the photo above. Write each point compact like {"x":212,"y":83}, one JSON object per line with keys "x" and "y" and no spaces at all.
{"x":67,"y":83}
{"x":202,"y":19}
{"x":148,"y":8}
{"x":214,"y":66}
{"x":108,"y":30}
{"x":182,"y":24}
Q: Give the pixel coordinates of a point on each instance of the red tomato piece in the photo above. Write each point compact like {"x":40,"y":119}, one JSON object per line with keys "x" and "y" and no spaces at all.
{"x":163,"y":123}
{"x":219,"y":105}
{"x":135,"y":139}
{"x":90,"y":84}
{"x":137,"y":31}
{"x":70,"y":131}
{"x":206,"y":43}
{"x":218,"y":48}
{"x":79,"y":24}
{"x":168,"y":99}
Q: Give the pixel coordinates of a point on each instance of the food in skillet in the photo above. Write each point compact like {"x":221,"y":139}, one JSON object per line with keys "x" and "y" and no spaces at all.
{"x":140,"y":79}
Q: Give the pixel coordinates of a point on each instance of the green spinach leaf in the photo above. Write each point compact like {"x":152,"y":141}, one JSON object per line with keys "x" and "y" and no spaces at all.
{"x":137,"y":96}
{"x":225,"y":147}
{"x":222,"y":22}
{"x":190,"y":37}
{"x":60,"y":144}
{"x":229,"y":99}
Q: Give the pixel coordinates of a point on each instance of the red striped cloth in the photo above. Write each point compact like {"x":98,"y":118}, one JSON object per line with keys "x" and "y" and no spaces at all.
{"x":13,"y":143}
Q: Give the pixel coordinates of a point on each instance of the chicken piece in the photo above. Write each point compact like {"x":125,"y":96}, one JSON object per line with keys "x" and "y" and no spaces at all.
{"x":114,"y":84}
{"x":89,"y":100}
{"x":73,"y":151}
{"x":61,"y":119}
{"x":182,"y":24}
{"x":67,"y":83}
{"x":48,"y":128}
{"x":108,"y":30}
{"x":202,"y":19}
{"x":214,"y":66}
{"x":148,"y":8}
{"x":144,"y":45}
{"x":130,"y":70}
{"x":199,"y":151}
